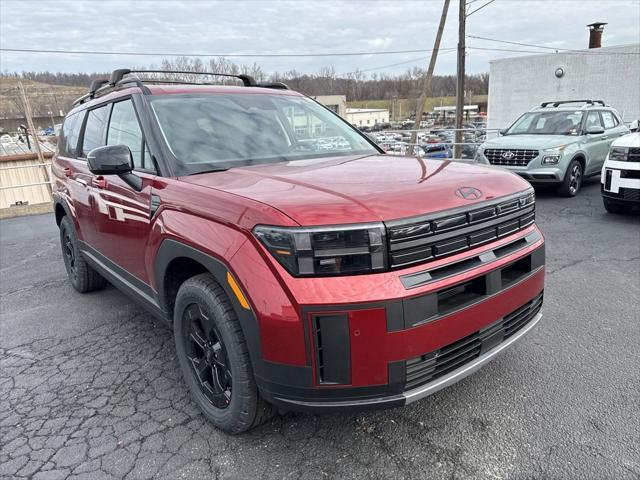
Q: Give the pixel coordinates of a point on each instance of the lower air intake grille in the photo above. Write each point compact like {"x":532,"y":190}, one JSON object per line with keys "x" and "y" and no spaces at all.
{"x":426,"y":368}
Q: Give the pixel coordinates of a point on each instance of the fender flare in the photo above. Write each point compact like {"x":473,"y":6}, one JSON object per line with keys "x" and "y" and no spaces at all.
{"x":170,"y":250}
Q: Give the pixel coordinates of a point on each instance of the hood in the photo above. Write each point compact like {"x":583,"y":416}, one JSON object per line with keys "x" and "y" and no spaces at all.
{"x":342,"y":190}
{"x":630,"y":140}
{"x":532,"y":142}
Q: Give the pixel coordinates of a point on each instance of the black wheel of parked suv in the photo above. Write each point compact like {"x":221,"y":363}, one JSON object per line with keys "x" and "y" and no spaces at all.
{"x":214,"y":358}
{"x":83,"y":278}
{"x":613,"y":207}
{"x":572,"y":180}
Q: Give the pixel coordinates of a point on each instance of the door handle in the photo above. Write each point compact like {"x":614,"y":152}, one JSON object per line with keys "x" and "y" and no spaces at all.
{"x":67,"y":172}
{"x":99,"y":182}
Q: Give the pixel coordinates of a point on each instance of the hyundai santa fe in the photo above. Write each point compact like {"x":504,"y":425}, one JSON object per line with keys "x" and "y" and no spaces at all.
{"x":299,"y":266}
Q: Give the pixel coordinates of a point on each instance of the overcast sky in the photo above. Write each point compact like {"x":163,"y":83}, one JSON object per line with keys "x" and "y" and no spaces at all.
{"x":314,"y":26}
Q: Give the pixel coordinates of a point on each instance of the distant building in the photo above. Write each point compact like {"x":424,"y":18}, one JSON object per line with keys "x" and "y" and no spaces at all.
{"x":610,"y":74}
{"x":337,"y":103}
{"x":362,"y":117}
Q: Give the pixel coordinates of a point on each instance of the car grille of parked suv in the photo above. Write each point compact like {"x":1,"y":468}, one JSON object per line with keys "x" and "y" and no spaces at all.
{"x":426,"y":368}
{"x":412,"y":242}
{"x":514,"y":157}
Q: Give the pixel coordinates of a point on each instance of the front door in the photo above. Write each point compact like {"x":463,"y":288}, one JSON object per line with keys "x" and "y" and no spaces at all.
{"x":122,"y":213}
{"x":596,"y":145}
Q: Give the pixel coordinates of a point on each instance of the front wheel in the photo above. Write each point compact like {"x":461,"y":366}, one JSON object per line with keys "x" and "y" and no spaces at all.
{"x":572,"y":180}
{"x":214,"y":358}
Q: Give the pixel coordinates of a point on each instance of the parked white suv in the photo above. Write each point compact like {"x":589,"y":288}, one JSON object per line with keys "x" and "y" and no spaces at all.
{"x":620,"y":176}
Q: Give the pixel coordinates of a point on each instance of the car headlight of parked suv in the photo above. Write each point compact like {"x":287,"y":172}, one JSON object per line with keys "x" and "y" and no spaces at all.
{"x":552,"y":155}
{"x":326,"y":251}
{"x":479,"y":157}
{"x":619,"y":153}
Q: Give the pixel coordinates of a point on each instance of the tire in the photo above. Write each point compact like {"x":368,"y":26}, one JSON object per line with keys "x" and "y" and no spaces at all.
{"x":214,"y":359}
{"x":81,"y":275}
{"x":572,"y":182}
{"x":613,"y":207}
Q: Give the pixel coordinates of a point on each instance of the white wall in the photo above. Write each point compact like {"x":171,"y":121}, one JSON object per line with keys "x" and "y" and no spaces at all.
{"x":517,"y":84}
{"x":362,"y":117}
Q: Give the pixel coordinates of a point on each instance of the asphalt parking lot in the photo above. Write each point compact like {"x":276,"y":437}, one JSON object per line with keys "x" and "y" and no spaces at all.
{"x":89,"y":384}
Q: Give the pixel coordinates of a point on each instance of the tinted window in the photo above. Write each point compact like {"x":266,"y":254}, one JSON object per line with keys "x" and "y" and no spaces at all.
{"x":609,"y":119}
{"x":95,"y":129}
{"x":69,"y":135}
{"x":593,"y":118}
{"x":124,"y":129}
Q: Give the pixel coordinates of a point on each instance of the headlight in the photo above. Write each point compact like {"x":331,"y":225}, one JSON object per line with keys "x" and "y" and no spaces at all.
{"x":321,"y":251}
{"x":619,"y":153}
{"x":479,"y":158}
{"x":552,"y":155}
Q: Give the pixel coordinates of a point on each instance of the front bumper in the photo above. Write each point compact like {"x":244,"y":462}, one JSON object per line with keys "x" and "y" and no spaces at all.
{"x":535,"y":172}
{"x":414,"y":394}
{"x":412,"y":333}
{"x":620,"y":182}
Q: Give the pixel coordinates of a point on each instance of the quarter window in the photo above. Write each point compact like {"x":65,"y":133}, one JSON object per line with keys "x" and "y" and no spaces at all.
{"x":124,"y":129}
{"x":95,"y":129}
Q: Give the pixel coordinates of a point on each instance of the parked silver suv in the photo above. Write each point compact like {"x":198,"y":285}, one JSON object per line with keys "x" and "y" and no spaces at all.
{"x":558,"y":143}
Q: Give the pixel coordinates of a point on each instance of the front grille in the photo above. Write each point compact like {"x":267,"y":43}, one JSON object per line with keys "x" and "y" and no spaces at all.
{"x":426,"y":368}
{"x":514,"y":157}
{"x":634,"y":154}
{"x":413,"y":242}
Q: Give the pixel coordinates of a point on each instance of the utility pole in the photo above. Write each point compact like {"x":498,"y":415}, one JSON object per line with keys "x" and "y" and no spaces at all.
{"x":462,"y":18}
{"x":426,"y":84}
{"x":32,"y":129}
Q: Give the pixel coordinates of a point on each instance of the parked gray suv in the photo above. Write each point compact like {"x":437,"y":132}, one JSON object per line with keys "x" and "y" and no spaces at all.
{"x":558,"y":143}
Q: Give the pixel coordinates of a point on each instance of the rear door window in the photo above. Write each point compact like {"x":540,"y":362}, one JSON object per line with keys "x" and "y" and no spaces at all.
{"x":69,"y":135}
{"x":95,"y":129}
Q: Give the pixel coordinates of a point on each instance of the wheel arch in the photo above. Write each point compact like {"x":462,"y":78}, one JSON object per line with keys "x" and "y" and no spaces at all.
{"x":173,"y":258}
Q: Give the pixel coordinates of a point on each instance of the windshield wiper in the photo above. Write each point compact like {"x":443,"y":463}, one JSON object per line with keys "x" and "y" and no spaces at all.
{"x":211,"y":170}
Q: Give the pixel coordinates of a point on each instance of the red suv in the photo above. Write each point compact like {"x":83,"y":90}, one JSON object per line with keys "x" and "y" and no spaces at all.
{"x":300,"y":267}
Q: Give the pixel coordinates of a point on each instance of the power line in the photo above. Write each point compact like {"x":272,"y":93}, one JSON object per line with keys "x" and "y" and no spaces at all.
{"x":480,"y":8}
{"x":168,"y":54}
{"x":556,"y":49}
{"x":413,"y":60}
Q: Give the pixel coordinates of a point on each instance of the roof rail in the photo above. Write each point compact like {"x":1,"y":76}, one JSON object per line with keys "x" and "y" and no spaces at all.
{"x":118,"y":75}
{"x":117,"y":79}
{"x":562,"y":102}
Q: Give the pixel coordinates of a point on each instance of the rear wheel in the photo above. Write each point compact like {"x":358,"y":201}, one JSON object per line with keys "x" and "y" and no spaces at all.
{"x":613,"y":207}
{"x":214,"y":358}
{"x":572,"y":180}
{"x":81,"y":275}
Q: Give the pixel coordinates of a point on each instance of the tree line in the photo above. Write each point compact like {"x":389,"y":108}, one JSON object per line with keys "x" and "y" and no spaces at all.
{"x":356,"y":85}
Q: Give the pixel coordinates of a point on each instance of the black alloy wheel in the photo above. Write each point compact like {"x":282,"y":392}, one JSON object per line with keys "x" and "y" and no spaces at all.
{"x":208,"y":357}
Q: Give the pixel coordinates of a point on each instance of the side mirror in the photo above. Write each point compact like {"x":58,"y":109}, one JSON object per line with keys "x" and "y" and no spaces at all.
{"x":110,"y":160}
{"x":502,"y":131}
{"x":595,"y":130}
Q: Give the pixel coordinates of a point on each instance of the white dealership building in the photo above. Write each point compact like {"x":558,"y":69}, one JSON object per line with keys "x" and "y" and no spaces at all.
{"x":363,"y":117}
{"x":611,"y":74}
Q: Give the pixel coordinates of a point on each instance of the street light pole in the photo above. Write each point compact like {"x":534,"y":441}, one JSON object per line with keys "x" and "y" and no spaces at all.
{"x":462,"y":17}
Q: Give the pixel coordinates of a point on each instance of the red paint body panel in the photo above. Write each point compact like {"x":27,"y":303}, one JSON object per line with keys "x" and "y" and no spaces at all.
{"x":216,"y":212}
{"x":361,"y":189}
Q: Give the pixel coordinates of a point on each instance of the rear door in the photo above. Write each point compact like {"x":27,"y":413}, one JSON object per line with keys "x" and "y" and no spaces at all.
{"x":121,"y":212}
{"x":596,"y":145}
{"x":74,"y":175}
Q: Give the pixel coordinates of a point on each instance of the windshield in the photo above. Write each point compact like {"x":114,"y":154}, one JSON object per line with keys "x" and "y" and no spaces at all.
{"x":220,"y":131}
{"x":548,"y":123}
